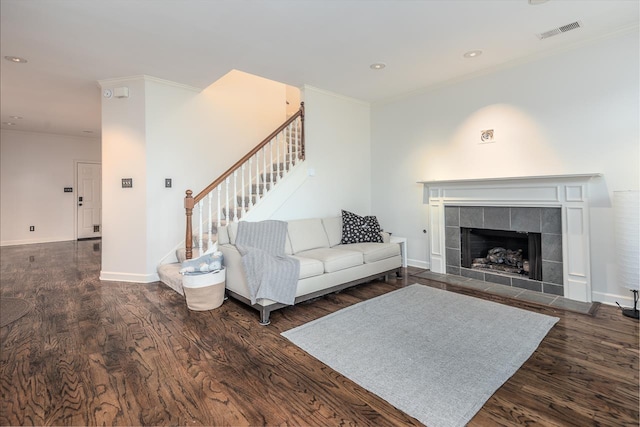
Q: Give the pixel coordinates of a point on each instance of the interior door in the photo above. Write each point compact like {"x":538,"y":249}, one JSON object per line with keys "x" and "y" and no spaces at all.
{"x":89,"y":200}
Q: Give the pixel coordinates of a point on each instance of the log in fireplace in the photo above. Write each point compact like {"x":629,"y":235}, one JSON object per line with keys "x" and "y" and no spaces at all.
{"x":501,"y":251}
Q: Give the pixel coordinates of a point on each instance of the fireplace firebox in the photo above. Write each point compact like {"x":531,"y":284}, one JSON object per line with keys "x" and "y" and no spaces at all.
{"x":501,"y":251}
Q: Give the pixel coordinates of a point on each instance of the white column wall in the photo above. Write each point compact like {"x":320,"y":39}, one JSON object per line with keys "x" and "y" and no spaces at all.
{"x":573,"y":112}
{"x":34,"y":169}
{"x":124,"y":231}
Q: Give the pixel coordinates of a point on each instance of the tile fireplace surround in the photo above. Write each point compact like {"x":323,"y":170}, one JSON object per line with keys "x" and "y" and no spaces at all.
{"x":567,"y":192}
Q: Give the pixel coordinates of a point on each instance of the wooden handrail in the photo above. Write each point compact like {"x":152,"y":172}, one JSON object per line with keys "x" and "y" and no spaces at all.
{"x":221,"y":178}
{"x":190,"y":201}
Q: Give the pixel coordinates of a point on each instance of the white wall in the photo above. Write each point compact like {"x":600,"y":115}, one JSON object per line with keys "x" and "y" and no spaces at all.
{"x":337,"y":137}
{"x":167,"y":130}
{"x":574,"y":112}
{"x":34,"y":169}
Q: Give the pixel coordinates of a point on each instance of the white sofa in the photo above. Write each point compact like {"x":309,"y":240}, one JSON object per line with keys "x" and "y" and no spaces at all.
{"x":326,"y":265}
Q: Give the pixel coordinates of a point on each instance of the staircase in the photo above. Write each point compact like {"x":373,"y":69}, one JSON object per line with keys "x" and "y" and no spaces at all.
{"x":237,"y":191}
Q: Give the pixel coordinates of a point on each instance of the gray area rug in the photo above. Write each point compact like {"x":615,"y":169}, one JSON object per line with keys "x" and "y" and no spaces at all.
{"x":11,"y":309}
{"x":436,"y":355}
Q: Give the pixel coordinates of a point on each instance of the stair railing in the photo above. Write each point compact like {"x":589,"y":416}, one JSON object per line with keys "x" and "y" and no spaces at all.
{"x":257,"y":172}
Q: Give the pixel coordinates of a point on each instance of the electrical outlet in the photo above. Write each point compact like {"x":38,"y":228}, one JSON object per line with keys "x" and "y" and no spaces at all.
{"x":32,"y":228}
{"x":127,"y":182}
{"x":68,"y":189}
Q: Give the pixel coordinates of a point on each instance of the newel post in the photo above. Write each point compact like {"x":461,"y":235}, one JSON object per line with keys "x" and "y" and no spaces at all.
{"x":188,"y":240}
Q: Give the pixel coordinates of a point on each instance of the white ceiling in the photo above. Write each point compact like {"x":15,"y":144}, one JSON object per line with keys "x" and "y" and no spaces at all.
{"x":329,"y":44}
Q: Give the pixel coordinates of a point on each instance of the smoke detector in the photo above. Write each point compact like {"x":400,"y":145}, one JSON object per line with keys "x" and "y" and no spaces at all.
{"x":559,"y":30}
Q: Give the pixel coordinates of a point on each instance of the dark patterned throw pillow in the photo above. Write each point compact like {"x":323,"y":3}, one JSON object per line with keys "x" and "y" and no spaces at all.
{"x":359,"y":229}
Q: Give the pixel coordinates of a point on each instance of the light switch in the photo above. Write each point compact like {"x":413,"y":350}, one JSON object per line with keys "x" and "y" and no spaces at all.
{"x":167,"y":182}
{"x":127,"y":182}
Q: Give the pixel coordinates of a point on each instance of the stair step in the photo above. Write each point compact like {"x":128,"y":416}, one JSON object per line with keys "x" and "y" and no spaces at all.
{"x":247,"y":199}
{"x":169,"y":274}
{"x":267,"y":176}
{"x":282,"y":166}
{"x":229,"y":213}
{"x":260,"y":188}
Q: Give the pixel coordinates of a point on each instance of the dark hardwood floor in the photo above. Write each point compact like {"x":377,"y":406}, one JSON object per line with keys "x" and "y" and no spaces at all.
{"x":105,"y":353}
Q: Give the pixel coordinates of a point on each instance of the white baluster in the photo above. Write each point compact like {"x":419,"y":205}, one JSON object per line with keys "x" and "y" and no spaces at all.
{"x":250,"y":189}
{"x":290,"y":151}
{"x":219,"y":190}
{"x":257,"y":178}
{"x":271,"y":167}
{"x":229,"y":218}
{"x":244,"y":200}
{"x":210,"y":242}
{"x":278,"y":142}
{"x":295,"y":158}
{"x":235,"y":195}
{"x":264,"y":171}
{"x":200,"y":228}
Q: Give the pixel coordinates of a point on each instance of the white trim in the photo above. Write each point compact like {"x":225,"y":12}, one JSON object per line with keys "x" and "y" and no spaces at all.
{"x":611,"y":299}
{"x":112,"y":276}
{"x":512,"y":178}
{"x":567,"y":192}
{"x":418,"y":263}
{"x":33,"y":242}
{"x":336,"y":95}
{"x":123,"y":80}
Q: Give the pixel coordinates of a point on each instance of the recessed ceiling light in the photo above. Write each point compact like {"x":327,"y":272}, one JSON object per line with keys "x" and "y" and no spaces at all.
{"x":8,"y":123}
{"x":472,"y":53}
{"x":15,"y":117}
{"x":535,"y":2}
{"x":15,"y":59}
{"x":87,"y":131}
{"x":377,"y":66}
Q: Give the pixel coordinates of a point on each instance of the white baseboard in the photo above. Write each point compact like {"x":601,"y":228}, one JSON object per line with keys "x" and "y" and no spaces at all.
{"x":418,"y":263}
{"x":110,"y":276}
{"x":32,"y":242}
{"x":611,"y":299}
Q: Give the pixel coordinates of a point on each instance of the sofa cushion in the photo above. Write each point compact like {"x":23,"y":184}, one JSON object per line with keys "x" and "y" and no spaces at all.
{"x":373,"y":252}
{"x":309,"y":267}
{"x":287,"y":246}
{"x":359,"y":229}
{"x":333,"y":227}
{"x":223,"y":236}
{"x":232,"y":229}
{"x":306,"y":234}
{"x":334,"y":259}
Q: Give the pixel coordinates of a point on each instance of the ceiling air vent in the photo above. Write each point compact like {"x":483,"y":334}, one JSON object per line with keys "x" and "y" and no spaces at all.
{"x":559,"y":30}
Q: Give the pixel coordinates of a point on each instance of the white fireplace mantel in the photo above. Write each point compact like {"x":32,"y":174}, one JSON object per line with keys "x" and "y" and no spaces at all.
{"x":568,"y":192}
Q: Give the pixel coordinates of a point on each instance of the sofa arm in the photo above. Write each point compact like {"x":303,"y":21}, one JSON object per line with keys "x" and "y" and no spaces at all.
{"x":386,"y":237}
{"x":236,"y":280}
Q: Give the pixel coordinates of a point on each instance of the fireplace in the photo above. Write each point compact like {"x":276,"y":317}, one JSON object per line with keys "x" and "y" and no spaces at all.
{"x":532,"y":234}
{"x":502,"y":251}
{"x":555,"y":205}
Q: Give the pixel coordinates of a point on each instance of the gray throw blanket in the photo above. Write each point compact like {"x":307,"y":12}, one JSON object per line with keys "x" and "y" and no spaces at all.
{"x":270,"y":273}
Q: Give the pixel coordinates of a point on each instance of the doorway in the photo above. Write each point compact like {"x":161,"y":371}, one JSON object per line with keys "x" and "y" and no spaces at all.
{"x":89,"y":200}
